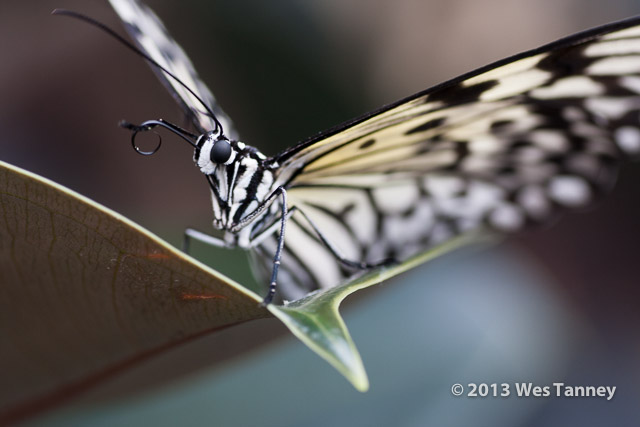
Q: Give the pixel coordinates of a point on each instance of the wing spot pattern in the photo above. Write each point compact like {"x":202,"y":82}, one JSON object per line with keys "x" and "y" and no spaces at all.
{"x":368,"y":143}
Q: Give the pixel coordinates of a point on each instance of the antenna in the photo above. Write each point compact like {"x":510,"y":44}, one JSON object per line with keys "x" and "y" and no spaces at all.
{"x":132,"y":47}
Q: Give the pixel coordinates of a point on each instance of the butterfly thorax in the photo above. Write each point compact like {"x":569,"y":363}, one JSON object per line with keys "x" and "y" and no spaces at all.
{"x":240,"y":182}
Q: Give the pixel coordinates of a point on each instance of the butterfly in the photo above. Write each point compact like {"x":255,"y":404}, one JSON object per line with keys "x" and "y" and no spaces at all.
{"x":502,"y":147}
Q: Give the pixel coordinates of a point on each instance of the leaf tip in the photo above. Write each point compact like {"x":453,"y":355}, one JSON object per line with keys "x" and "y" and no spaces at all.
{"x":359,"y":379}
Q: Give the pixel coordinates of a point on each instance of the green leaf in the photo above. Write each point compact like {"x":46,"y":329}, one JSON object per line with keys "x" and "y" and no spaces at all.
{"x":316,"y":319}
{"x":85,"y":293}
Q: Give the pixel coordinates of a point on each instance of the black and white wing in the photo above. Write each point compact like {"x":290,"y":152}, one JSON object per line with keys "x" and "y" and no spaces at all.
{"x":503,"y":147}
{"x":150,"y":35}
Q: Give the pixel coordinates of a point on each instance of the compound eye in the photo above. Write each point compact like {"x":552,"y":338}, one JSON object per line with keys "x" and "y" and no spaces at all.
{"x":221,"y":151}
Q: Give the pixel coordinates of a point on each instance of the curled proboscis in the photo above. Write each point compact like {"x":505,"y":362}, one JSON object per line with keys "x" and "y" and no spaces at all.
{"x":142,"y":128}
{"x":149,"y":125}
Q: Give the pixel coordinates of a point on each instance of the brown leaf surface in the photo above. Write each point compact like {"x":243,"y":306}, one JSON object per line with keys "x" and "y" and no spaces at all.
{"x":85,"y":292}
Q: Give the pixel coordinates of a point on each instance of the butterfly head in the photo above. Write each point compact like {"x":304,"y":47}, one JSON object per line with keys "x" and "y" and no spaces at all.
{"x":230,"y":167}
{"x":213,"y":150}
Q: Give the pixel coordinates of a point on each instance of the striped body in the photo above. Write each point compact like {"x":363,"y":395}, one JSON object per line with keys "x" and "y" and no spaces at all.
{"x":238,"y":187}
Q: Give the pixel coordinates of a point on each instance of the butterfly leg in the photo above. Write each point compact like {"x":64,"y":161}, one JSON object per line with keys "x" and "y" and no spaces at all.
{"x":280,"y":191}
{"x":285,"y":215}
{"x":258,"y":239}
{"x":191,"y":233}
{"x":276,"y":259}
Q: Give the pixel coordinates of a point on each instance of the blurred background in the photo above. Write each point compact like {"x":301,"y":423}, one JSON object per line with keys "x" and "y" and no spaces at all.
{"x":556,"y":305}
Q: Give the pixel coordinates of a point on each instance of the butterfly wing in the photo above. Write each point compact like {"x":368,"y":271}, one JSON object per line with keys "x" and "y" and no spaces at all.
{"x":504,"y":146}
{"x":150,"y":35}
